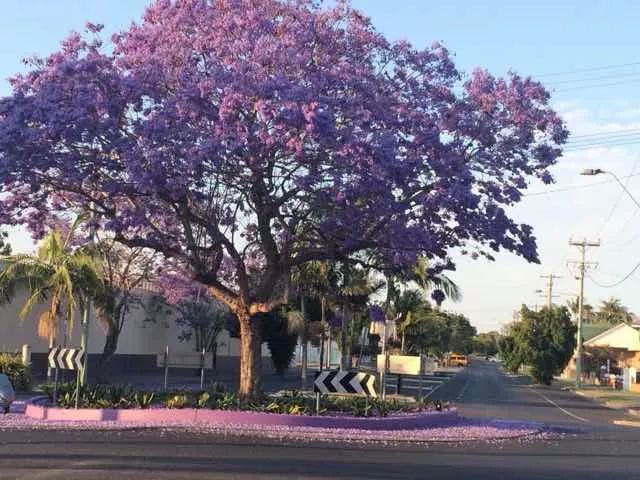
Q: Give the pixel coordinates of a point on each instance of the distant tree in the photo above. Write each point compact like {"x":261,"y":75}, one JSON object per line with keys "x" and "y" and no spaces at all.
{"x":202,"y":321}
{"x":613,"y":312}
{"x":429,"y":332}
{"x":5,"y":247}
{"x":281,"y":340}
{"x":124,"y":272}
{"x":544,"y":340}
{"x":588,"y":313}
{"x":486,"y":343}
{"x":462,"y":333}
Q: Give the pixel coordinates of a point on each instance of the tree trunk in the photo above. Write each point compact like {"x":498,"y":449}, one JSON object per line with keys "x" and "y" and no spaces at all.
{"x":344,"y":354}
{"x":305,"y":345}
{"x":110,"y":347}
{"x":250,"y":358}
{"x":322,"y":336}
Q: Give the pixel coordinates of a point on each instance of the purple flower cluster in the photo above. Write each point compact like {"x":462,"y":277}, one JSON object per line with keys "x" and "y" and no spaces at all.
{"x":246,"y":138}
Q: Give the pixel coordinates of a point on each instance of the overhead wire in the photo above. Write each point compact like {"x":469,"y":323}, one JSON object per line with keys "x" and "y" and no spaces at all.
{"x":615,"y":284}
{"x":589,"y":69}
{"x":575,"y":187}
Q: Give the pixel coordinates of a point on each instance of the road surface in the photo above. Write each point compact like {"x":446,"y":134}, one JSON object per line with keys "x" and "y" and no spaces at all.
{"x":600,"y":451}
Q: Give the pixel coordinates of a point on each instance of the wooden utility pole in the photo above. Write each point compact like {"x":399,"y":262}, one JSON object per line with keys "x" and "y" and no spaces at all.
{"x":582,"y":265}
{"x":550,"y":278}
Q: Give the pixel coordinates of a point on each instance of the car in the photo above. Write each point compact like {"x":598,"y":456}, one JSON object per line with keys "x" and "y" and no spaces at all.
{"x":456,"y":360}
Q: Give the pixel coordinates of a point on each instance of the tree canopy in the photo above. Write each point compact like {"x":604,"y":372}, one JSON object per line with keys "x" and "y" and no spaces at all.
{"x":544,"y":340}
{"x":245,"y":138}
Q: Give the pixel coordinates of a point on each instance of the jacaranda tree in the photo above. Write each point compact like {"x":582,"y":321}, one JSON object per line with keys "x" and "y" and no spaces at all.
{"x":244,"y":138}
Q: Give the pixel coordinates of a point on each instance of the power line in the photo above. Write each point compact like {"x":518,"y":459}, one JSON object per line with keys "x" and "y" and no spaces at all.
{"x":574,"y":187}
{"x":588,"y":69}
{"x":606,"y":133}
{"x":590,"y":146}
{"x":611,"y":138}
{"x":582,"y":87}
{"x":611,"y":285}
{"x":595,"y":79}
{"x":619,"y":198}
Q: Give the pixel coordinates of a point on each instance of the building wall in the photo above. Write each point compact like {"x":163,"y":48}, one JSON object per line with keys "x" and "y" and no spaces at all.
{"x":139,"y":337}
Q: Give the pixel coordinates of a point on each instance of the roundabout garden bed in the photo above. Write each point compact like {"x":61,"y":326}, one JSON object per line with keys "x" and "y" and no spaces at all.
{"x":113,"y":403}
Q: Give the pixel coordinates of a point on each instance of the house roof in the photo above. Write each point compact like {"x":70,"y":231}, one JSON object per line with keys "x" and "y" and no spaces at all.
{"x":590,"y":330}
{"x":620,"y":336}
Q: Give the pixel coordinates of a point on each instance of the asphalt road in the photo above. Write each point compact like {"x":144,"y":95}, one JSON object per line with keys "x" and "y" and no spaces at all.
{"x":596,"y":450}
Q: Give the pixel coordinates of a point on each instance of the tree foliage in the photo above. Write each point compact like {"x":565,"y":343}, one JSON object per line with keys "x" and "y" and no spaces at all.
{"x":436,"y":332}
{"x":486,"y":343}
{"x":544,"y":340}
{"x":613,"y":312}
{"x":64,"y":276}
{"x":5,"y":247}
{"x":245,"y":138}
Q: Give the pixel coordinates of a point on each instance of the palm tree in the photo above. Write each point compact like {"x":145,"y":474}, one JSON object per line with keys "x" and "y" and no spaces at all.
{"x":588,"y":315}
{"x":63,"y":276}
{"x":406,"y":304}
{"x":613,"y":312}
{"x":439,"y":285}
{"x":340,"y":287}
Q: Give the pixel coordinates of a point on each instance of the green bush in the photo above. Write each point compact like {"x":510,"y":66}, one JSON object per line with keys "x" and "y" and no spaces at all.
{"x":100,"y":396}
{"x":19,"y":373}
{"x":288,"y":402}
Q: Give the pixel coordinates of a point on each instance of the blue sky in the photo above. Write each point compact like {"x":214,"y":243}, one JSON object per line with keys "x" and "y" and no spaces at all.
{"x":538,"y":38}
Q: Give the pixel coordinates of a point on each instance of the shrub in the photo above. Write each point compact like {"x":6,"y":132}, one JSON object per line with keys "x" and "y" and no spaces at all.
{"x":19,"y":374}
{"x":178,"y":401}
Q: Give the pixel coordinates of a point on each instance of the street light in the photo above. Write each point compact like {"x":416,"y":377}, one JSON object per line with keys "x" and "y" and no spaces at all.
{"x":590,"y":172}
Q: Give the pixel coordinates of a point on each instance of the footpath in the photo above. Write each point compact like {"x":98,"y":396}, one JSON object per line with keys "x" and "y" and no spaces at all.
{"x":606,"y":396}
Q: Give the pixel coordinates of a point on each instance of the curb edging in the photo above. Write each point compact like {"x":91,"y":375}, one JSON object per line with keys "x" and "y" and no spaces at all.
{"x":163,"y":416}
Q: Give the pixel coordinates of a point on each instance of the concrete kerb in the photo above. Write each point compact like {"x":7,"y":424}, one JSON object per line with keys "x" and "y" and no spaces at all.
{"x":161,"y":416}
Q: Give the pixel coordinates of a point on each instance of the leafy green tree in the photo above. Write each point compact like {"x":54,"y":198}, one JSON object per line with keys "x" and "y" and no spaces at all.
{"x":588,"y":313}
{"x":429,"y":332}
{"x":544,"y":340}
{"x":280,"y":340}
{"x":5,"y":247}
{"x":462,"y":333}
{"x":613,"y":312}
{"x":486,"y":343}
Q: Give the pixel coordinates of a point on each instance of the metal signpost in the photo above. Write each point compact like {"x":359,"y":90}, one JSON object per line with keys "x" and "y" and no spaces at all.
{"x":343,"y":382}
{"x":67,"y":359}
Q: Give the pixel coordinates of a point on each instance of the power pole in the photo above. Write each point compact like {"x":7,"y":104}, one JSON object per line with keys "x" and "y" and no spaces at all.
{"x":550,"y":277}
{"x":582,"y":265}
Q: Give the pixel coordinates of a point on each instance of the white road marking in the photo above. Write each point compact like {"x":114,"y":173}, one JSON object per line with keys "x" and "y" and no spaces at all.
{"x":464,"y":390}
{"x":559,"y":407}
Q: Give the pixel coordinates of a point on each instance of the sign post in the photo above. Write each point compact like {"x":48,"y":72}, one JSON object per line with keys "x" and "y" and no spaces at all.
{"x":343,"y":382}
{"x":67,"y":359}
{"x":202,"y":358}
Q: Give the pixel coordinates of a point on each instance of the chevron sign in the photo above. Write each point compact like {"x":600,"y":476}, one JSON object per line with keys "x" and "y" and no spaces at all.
{"x":340,"y":381}
{"x":66,"y":358}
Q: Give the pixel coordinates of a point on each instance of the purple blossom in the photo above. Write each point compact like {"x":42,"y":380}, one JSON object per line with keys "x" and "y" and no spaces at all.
{"x":247,"y":140}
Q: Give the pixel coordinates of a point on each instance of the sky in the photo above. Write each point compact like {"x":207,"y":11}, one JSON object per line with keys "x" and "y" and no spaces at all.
{"x":583,"y":51}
